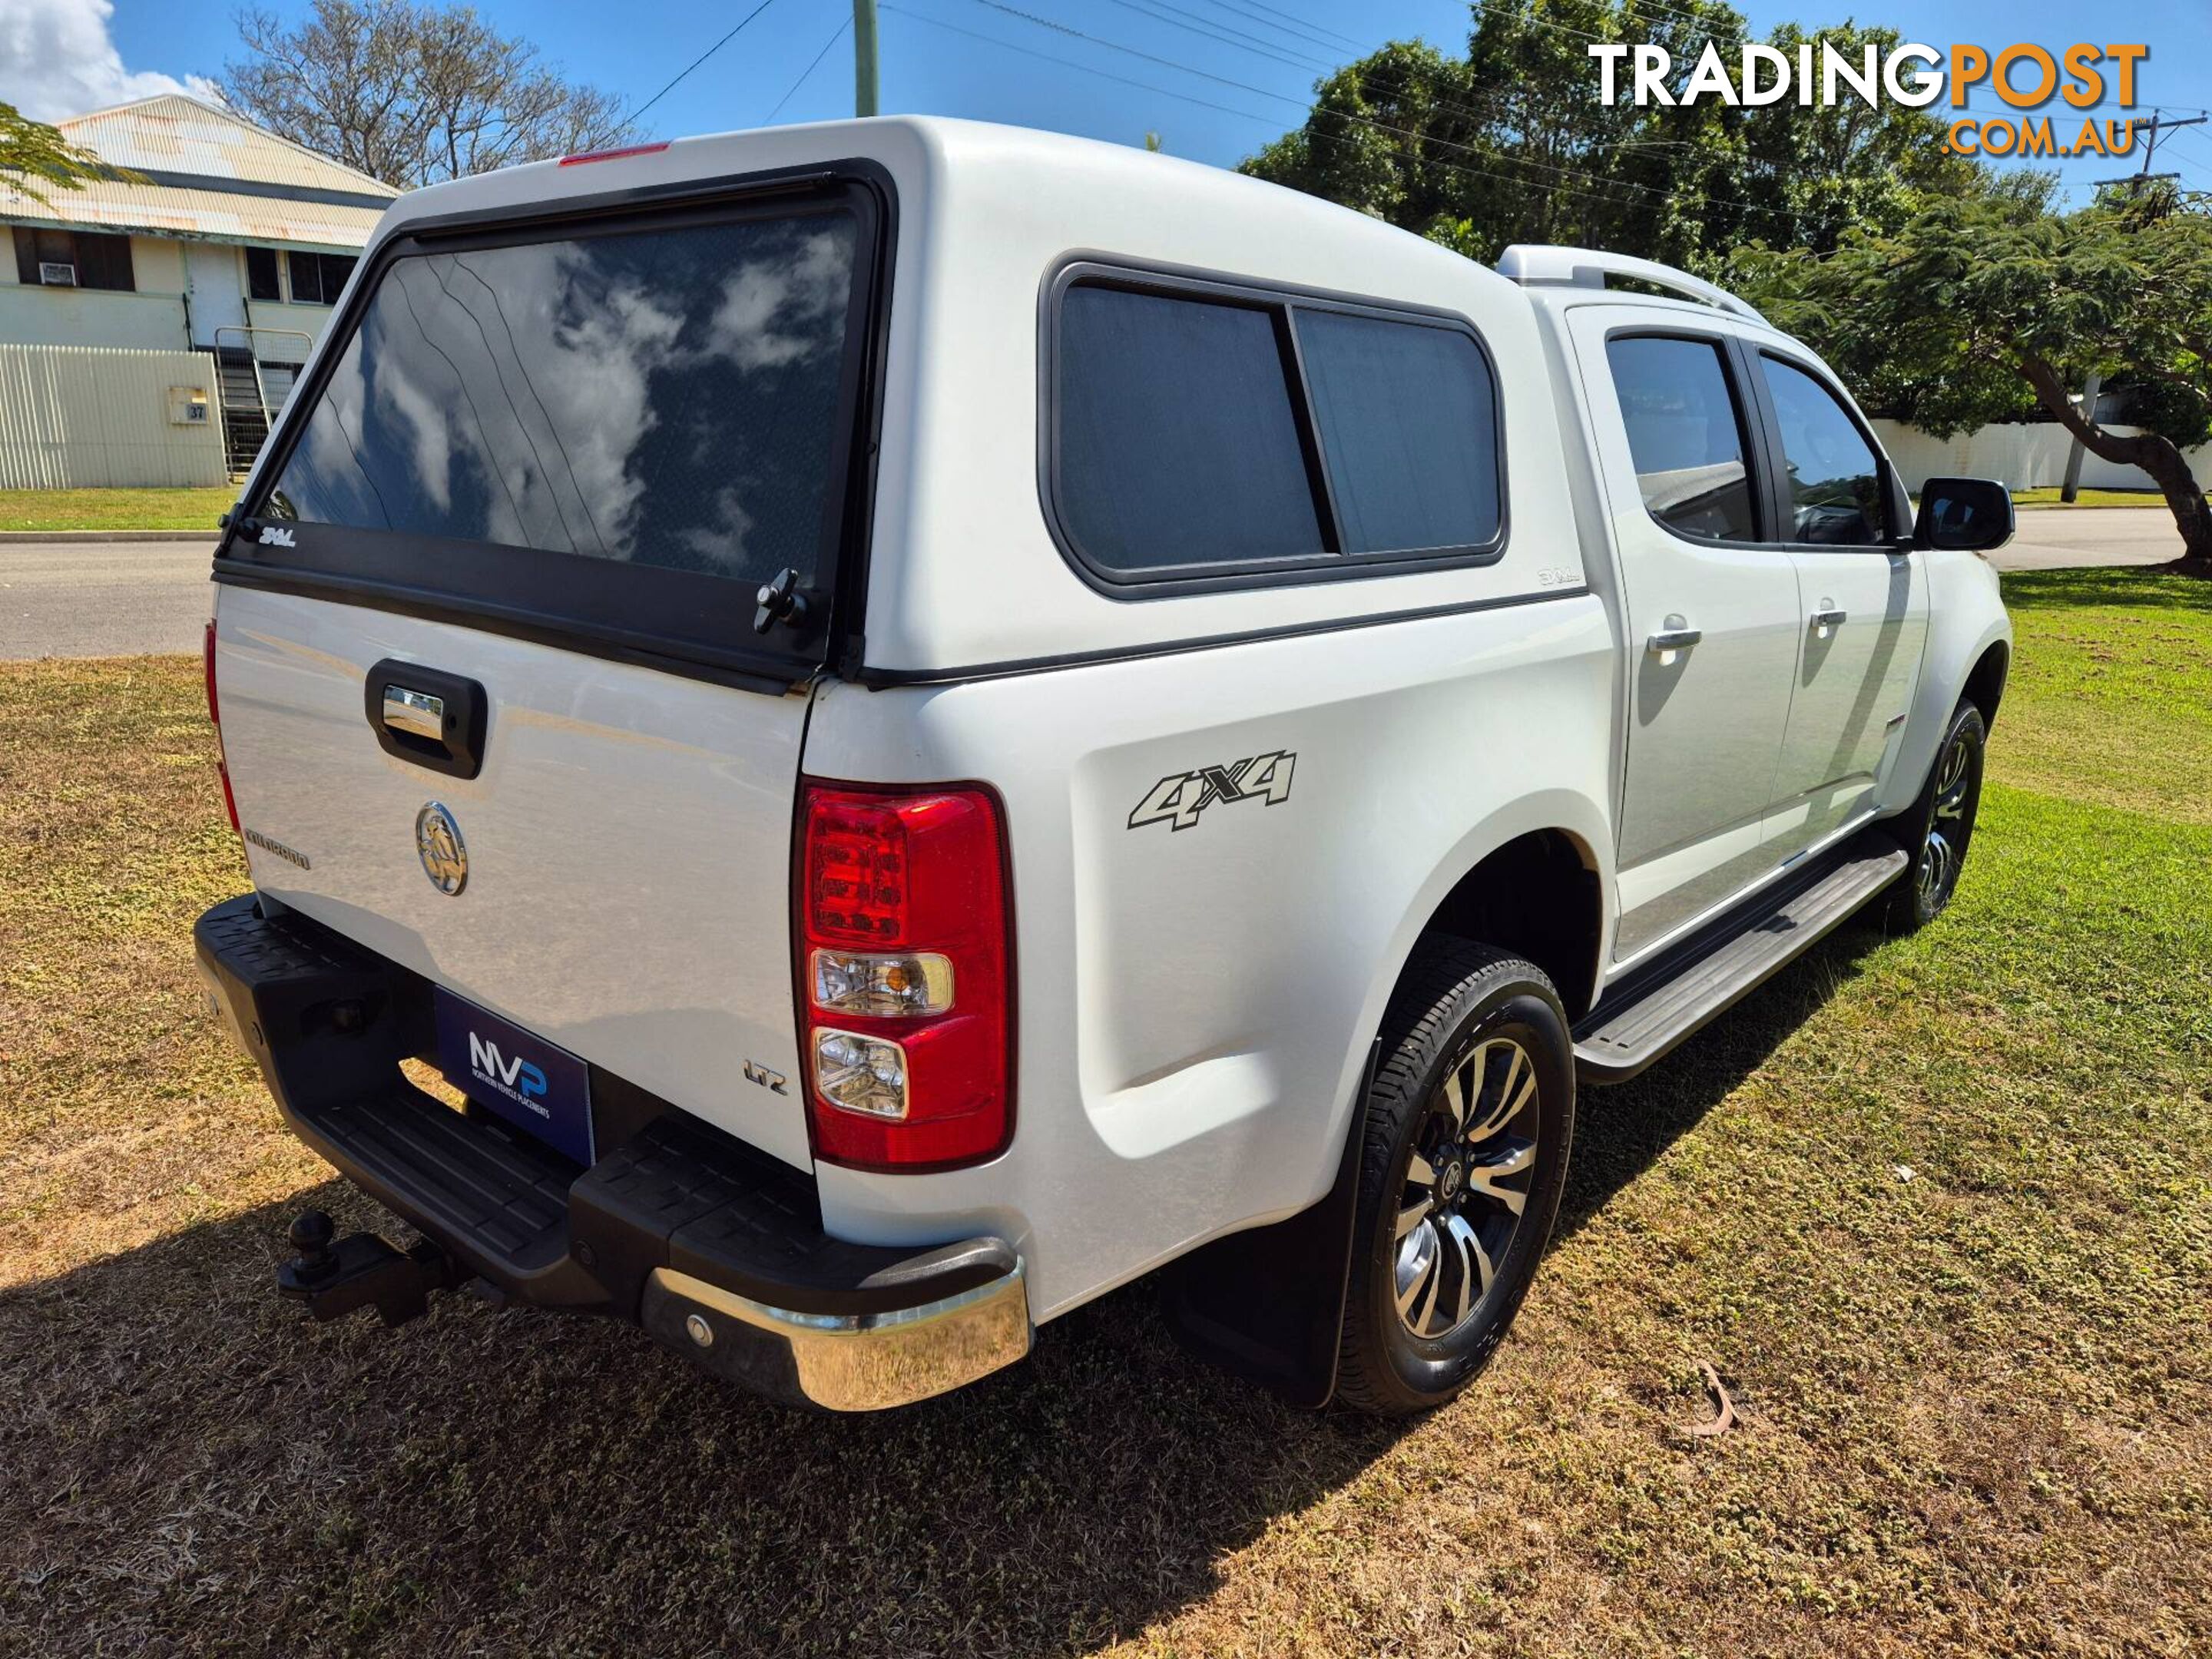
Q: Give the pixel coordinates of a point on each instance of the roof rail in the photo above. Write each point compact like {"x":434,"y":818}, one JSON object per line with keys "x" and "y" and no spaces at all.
{"x":1532,"y":264}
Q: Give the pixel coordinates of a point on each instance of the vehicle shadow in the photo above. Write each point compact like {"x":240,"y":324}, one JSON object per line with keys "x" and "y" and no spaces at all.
{"x":1622,"y":1129}
{"x":194,"y":1465}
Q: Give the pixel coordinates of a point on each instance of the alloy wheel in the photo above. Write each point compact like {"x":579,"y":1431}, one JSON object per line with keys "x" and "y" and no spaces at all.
{"x":1466,"y":1182}
{"x":1948,"y":825}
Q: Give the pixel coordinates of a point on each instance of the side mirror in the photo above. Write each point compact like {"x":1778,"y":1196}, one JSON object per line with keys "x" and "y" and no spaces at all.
{"x":1969,"y":515}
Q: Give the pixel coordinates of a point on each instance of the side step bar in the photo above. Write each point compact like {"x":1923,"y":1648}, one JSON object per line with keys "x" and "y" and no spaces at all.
{"x":1656,"y":1009}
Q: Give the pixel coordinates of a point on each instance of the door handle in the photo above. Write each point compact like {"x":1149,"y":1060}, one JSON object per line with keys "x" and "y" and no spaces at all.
{"x":1827,"y":616}
{"x":416,"y":711}
{"x":427,"y":716}
{"x":1676,"y":635}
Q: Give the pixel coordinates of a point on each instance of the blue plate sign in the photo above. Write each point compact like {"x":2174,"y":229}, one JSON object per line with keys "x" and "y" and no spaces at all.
{"x":526,"y":1079}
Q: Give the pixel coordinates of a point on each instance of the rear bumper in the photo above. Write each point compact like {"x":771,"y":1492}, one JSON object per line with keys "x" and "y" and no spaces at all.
{"x":716,"y":1250}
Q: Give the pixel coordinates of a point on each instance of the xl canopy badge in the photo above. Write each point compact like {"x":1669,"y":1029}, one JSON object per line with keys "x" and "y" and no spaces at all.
{"x":2025,"y":77}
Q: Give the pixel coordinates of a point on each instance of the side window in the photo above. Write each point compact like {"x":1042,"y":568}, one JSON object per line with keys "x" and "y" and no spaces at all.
{"x":1686,"y":434}
{"x":1179,"y":444}
{"x":1408,"y":422}
{"x":1836,"y":496}
{"x":261,"y":274}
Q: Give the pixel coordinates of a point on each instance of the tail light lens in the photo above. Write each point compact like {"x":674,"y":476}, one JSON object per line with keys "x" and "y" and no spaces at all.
{"x":905,"y":967}
{"x":215,"y":719}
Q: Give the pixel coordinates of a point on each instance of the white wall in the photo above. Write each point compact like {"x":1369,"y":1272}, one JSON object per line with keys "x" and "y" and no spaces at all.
{"x":74,"y":416}
{"x":153,"y":318}
{"x":30,"y":315}
{"x":2027,"y":456}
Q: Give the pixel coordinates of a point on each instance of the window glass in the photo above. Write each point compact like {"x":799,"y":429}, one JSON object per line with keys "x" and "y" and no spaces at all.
{"x":1835,"y":477}
{"x":318,"y":278}
{"x":668,"y":397}
{"x":1178,"y":441}
{"x":1686,"y":434}
{"x":261,"y":274}
{"x":1409,"y":426}
{"x":98,"y":261}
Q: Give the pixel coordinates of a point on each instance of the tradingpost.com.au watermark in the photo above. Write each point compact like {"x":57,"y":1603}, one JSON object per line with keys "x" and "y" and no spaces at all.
{"x":2023,"y":76}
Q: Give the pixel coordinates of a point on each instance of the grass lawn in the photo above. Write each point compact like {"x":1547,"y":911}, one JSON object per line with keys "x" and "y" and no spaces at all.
{"x":1939,"y":1210}
{"x":115,"y":509}
{"x":2088,"y":498}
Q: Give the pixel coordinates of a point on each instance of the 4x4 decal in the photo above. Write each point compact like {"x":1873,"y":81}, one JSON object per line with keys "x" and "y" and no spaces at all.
{"x":1180,"y":797}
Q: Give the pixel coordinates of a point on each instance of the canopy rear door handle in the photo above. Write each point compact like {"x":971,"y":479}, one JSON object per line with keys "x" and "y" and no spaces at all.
{"x":418,"y":713}
{"x":427,"y":716}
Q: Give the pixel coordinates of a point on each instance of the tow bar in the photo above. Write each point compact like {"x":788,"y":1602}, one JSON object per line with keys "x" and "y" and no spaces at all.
{"x":361,"y":1270}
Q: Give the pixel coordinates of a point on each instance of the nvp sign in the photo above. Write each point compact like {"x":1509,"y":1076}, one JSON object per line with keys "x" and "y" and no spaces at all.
{"x":2024,"y":76}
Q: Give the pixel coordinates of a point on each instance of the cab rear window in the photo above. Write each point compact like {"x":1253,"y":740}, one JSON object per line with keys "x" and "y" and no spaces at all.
{"x":666,"y":398}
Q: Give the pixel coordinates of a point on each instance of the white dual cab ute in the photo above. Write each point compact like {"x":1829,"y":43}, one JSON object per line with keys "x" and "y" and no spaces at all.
{"x":928,"y":719}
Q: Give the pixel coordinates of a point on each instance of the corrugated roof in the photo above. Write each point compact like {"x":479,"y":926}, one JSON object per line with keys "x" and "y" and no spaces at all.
{"x":189,"y":151}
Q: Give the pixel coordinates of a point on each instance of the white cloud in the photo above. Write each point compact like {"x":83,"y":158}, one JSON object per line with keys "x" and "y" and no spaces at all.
{"x":56,"y":60}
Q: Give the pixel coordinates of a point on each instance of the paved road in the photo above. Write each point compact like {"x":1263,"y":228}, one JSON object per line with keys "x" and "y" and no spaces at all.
{"x":119,"y":598}
{"x":102,"y":598}
{"x":2060,"y":537}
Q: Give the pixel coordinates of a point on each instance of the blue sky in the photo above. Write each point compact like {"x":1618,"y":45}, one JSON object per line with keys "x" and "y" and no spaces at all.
{"x":928,"y":67}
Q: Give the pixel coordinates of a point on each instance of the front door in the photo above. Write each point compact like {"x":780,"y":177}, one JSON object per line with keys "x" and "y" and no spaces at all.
{"x":213,"y":277}
{"x":1865,"y":611}
{"x":1711,"y":616}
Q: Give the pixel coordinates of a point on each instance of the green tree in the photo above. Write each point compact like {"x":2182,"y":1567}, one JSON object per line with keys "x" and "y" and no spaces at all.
{"x":1975,"y":299}
{"x":34,"y":155}
{"x":1511,"y":142}
{"x":412,"y":94}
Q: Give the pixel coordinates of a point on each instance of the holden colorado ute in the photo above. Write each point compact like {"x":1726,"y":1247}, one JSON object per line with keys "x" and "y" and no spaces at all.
{"x":926,"y":719}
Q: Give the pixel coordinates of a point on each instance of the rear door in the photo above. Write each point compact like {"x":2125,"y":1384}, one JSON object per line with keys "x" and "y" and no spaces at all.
{"x":1866,"y":608}
{"x":496,"y":588}
{"x":1710,"y":609}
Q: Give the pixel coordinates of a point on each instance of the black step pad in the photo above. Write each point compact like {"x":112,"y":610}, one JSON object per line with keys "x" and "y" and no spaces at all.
{"x":1625,"y":1034}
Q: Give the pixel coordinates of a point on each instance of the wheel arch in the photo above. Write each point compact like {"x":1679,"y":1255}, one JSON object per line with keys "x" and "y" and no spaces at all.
{"x":1533,"y":879}
{"x":1985,"y":681}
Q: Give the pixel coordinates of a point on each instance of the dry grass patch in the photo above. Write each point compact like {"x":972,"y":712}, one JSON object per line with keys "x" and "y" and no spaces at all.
{"x":1977,"y":1397}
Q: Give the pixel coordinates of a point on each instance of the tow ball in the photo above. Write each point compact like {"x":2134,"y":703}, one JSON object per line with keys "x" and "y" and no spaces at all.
{"x":361,"y":1270}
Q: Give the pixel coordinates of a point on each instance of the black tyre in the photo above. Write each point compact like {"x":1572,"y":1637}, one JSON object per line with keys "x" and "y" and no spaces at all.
{"x":1466,"y":1134}
{"x":1937,"y":829}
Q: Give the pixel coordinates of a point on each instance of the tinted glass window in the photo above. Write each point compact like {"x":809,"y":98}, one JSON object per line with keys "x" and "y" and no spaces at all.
{"x":666,"y":398}
{"x":1685,"y":433}
{"x":1178,"y":439}
{"x":261,"y":274}
{"x":1835,"y":477}
{"x":1409,"y":429}
{"x":318,"y":279}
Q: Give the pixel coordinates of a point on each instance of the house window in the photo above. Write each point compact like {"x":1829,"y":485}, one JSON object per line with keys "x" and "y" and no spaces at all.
{"x":317,"y":278}
{"x":73,"y":258}
{"x":261,"y":274}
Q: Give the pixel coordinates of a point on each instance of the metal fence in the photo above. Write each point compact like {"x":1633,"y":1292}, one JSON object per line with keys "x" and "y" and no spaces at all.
{"x":78,"y":415}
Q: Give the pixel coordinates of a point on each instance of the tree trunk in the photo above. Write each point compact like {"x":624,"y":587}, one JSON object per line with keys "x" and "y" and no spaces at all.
{"x":2167,"y":466}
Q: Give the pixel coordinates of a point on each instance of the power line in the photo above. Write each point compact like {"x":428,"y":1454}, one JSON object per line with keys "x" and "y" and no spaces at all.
{"x":696,"y":62}
{"x":1593,"y":190}
{"x":1380,"y":127}
{"x":1069,"y":63}
{"x":1235,"y":38}
{"x":837,"y":36}
{"x":1296,"y":26}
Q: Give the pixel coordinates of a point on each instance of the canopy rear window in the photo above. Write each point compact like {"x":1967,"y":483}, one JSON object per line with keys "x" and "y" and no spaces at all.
{"x":622,"y":425}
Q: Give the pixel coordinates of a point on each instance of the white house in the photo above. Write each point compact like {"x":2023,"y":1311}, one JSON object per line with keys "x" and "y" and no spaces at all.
{"x":231,"y":241}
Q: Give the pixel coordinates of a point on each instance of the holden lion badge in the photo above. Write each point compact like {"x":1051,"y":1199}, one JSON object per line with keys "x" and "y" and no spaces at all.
{"x":445,"y":855}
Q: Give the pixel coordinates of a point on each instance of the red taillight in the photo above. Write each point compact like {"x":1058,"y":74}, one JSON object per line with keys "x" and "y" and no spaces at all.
{"x":906,"y":980}
{"x":215,"y":719}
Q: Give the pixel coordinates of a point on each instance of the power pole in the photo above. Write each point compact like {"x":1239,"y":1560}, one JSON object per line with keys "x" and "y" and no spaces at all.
{"x":863,"y":57}
{"x":2134,"y":181}
{"x":2143,"y":175}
